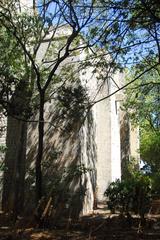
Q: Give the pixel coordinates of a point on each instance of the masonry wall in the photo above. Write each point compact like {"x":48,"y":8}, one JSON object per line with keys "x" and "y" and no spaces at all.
{"x":108,"y":136}
{"x":96,"y":144}
{"x":3,"y":125}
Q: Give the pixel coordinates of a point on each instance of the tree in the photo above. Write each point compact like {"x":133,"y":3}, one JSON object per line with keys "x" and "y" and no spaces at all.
{"x":132,"y":38}
{"x":136,"y":32}
{"x":90,"y":26}
{"x":143,"y":107}
{"x":149,"y":149}
{"x":29,"y":32}
{"x":143,"y":102}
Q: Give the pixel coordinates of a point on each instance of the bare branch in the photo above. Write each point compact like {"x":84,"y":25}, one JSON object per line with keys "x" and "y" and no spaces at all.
{"x":126,"y":85}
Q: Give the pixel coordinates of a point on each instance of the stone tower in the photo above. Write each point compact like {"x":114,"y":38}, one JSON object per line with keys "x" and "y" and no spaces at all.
{"x":97,"y":145}
{"x":27,"y":3}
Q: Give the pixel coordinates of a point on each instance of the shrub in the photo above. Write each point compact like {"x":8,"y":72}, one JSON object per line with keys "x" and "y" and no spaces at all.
{"x":131,"y":195}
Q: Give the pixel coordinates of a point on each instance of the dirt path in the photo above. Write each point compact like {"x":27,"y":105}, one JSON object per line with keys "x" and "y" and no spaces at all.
{"x":98,"y":226}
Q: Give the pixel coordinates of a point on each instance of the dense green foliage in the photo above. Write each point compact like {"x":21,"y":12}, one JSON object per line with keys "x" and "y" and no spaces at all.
{"x":143,"y":107}
{"x":142,"y":99}
{"x":130,"y":195}
{"x":150,"y":149}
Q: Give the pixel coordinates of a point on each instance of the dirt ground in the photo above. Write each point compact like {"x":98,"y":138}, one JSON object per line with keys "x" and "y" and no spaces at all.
{"x":97,"y":226}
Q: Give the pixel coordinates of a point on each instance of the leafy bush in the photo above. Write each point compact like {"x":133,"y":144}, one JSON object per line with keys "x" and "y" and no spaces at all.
{"x":131,"y":195}
{"x":150,"y":149}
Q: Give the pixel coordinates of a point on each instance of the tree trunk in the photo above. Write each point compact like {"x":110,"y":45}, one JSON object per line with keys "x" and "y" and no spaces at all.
{"x":40,"y":149}
{"x":14,"y":173}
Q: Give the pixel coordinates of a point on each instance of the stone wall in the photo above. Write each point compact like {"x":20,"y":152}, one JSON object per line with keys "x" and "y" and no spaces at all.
{"x":3,"y":125}
{"x":101,"y":144}
{"x":96,"y":144}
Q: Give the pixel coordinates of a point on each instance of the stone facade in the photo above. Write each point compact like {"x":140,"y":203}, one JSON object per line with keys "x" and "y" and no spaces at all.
{"x":3,"y":126}
{"x":98,"y":144}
